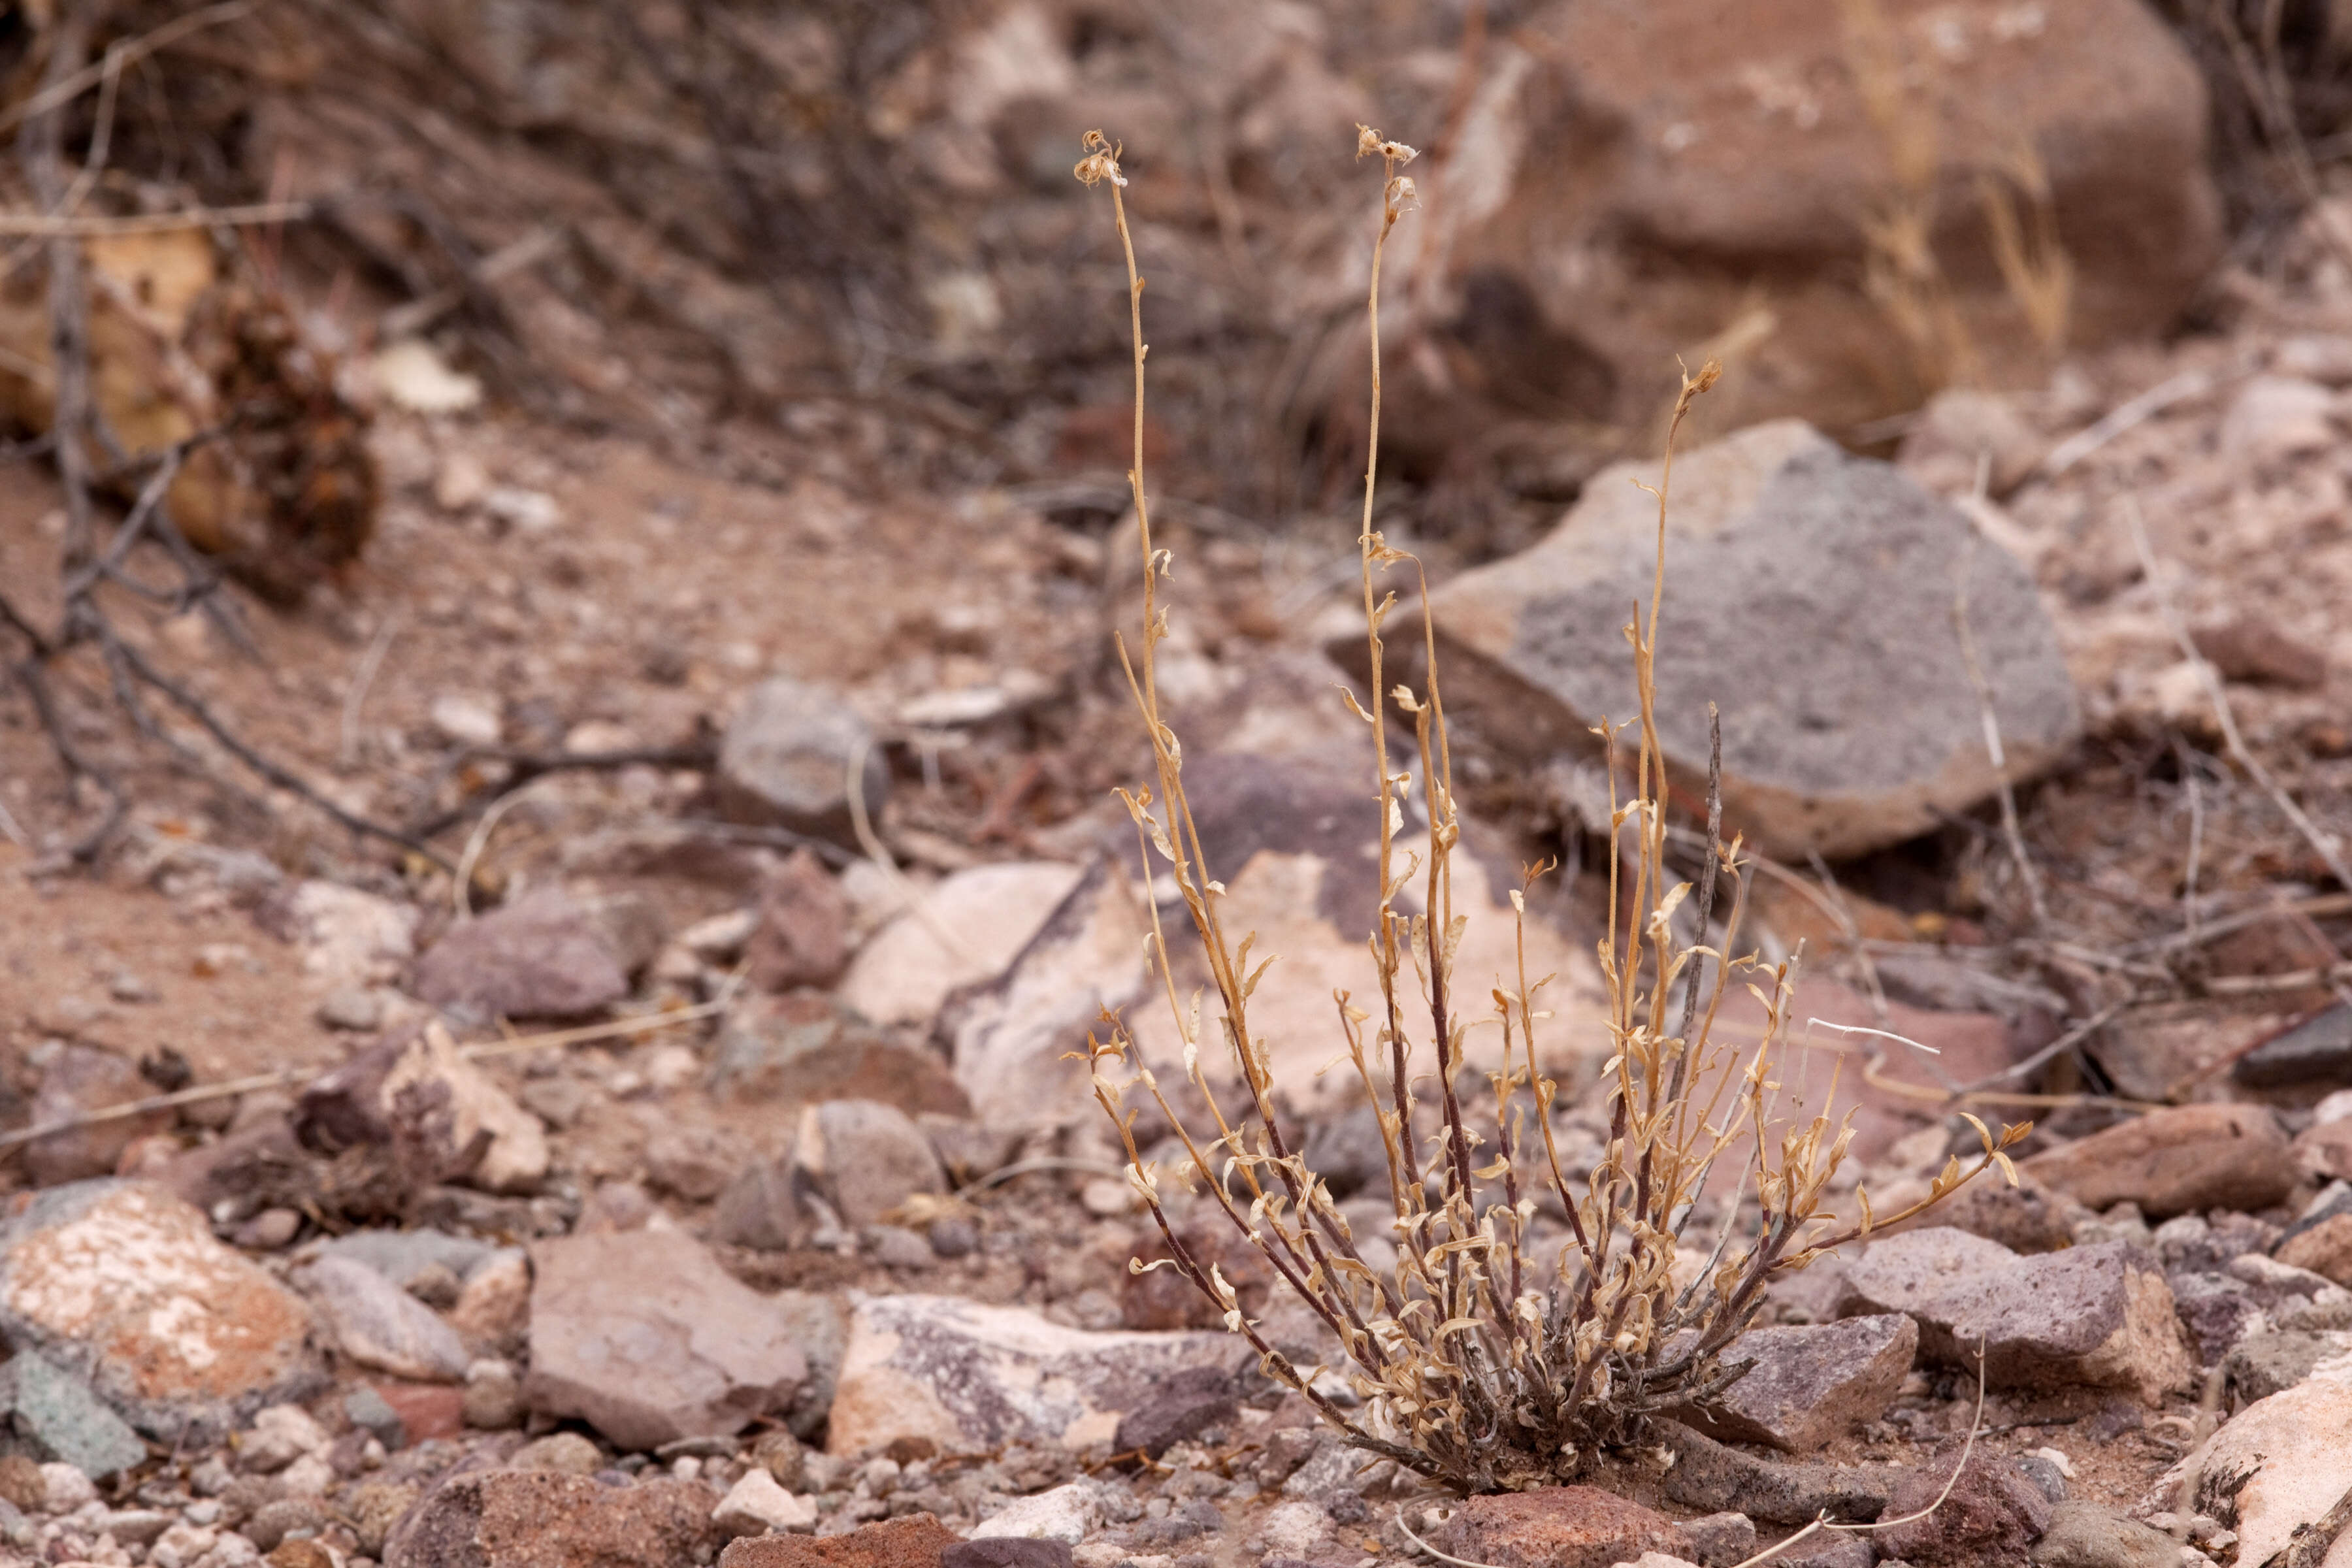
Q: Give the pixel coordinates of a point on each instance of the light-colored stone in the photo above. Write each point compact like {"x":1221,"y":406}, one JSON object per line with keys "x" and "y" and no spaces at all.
{"x":377,"y":1324}
{"x":1809,"y":594}
{"x":756,"y":1505}
{"x":1014,"y":1036}
{"x":1069,"y":1513}
{"x":2280,"y":1462}
{"x":2177,"y":1159}
{"x":348,"y":937}
{"x":280,"y":1434}
{"x":1296,"y":846}
{"x":125,"y":1285}
{"x":494,"y":1304}
{"x":968,"y":1376}
{"x":2084,"y":1535}
{"x":644,"y":1336}
{"x":907,"y":969}
{"x":2275,"y":418}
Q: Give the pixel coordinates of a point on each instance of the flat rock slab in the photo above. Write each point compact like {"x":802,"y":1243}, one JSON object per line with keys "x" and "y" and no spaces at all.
{"x":2099,"y":1316}
{"x":970,"y":1377}
{"x":1555,"y":1527}
{"x":1811,"y":1382}
{"x":2184,"y":1159}
{"x":539,"y":1519}
{"x":1810,"y":595}
{"x":918,"y":1541}
{"x":1707,"y":1475}
{"x":643,"y":1335}
{"x":123,"y":1284}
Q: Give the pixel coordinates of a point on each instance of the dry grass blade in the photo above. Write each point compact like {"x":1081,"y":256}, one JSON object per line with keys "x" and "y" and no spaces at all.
{"x":1488,"y":1357}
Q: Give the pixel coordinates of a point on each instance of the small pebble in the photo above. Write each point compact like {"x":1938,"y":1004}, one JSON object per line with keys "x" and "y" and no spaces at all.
{"x":953,"y":1237}
{"x":351,"y":1008}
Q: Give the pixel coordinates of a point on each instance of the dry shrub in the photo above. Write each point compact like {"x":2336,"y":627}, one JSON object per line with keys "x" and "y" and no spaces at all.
{"x":1479,"y":1360}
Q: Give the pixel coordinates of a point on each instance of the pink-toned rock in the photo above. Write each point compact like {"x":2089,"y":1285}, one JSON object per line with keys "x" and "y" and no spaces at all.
{"x":643,"y":1335}
{"x":916,"y":1541}
{"x":803,"y":937}
{"x":1810,"y":1384}
{"x":539,"y":1518}
{"x":126,"y":1285}
{"x":2183,"y":1159}
{"x":2098,"y":1316}
{"x":541,"y":956}
{"x":1993,"y":1513}
{"x":1557,"y":1527}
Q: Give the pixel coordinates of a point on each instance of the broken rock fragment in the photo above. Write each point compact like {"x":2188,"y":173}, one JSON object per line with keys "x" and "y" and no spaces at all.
{"x":440,"y":1117}
{"x":2099,"y":1316}
{"x":787,"y":757}
{"x":1808,"y":1384}
{"x":645,"y":1337}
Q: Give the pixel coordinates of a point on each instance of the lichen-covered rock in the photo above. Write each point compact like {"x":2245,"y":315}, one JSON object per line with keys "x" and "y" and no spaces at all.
{"x":968,"y":1376}
{"x":125,"y":1285}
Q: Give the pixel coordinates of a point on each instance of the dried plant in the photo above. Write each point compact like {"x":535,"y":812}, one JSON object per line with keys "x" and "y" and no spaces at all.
{"x":1484,"y":1360}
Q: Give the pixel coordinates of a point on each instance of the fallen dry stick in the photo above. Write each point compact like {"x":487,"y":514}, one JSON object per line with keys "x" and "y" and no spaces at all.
{"x":613,"y":1029}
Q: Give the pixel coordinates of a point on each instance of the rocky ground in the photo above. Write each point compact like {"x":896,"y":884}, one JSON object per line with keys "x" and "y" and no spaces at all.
{"x":689,"y":1166}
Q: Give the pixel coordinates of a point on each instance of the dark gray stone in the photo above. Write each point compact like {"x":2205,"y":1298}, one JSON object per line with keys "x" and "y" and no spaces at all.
{"x":2316,"y":1051}
{"x":1185,"y":1406}
{"x":2273,"y":1360}
{"x":56,"y":1414}
{"x":1992,"y":1514}
{"x":1718,"y":1539}
{"x":1808,"y":1384}
{"x":367,"y":1410}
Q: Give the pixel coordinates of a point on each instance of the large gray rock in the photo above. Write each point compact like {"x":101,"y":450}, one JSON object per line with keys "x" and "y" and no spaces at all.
{"x":544,"y":955}
{"x":2099,"y":1316}
{"x":645,"y":1337}
{"x":967,"y":1376}
{"x":1809,"y":596}
{"x":786,"y":758}
{"x":1811,"y":1382}
{"x":123,"y":1284}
